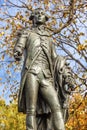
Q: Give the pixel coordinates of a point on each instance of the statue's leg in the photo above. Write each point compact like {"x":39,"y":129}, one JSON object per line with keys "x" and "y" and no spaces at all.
{"x":31,"y":93}
{"x":49,"y":94}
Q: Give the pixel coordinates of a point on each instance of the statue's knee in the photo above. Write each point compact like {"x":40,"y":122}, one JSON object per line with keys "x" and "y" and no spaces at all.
{"x":31,"y":111}
{"x":56,"y":108}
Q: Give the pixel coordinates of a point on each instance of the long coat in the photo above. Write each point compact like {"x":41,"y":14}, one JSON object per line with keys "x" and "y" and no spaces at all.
{"x":31,"y":40}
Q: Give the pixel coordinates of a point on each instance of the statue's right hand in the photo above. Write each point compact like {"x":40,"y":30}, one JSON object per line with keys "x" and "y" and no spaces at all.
{"x":17,"y":55}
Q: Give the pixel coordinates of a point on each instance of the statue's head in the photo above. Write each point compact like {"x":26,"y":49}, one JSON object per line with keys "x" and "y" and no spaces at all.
{"x":38,"y":16}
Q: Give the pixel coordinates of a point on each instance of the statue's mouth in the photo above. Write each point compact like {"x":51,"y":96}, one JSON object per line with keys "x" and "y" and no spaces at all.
{"x":39,"y":18}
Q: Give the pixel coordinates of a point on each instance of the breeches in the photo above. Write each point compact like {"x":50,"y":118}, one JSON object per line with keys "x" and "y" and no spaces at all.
{"x":44,"y":85}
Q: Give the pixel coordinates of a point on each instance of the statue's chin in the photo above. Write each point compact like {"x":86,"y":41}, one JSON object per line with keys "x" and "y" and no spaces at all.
{"x":39,"y":23}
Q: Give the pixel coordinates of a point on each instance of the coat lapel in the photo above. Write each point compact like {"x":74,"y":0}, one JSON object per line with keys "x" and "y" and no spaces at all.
{"x":41,"y":31}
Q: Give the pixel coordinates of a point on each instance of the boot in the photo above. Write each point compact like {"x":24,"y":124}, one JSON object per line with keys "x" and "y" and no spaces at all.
{"x":30,"y":122}
{"x":58,"y":122}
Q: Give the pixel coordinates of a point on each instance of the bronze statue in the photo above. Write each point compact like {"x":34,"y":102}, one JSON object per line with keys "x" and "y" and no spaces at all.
{"x":38,"y":96}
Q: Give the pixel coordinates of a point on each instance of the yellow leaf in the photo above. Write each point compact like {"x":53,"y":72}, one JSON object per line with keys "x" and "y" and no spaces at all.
{"x":53,"y":22}
{"x":15,"y":18}
{"x":60,"y":24}
{"x":53,"y":1}
{"x":1,"y":34}
{"x":65,"y":14}
{"x":7,"y":27}
{"x":72,"y":31}
{"x":24,"y":19}
{"x":29,"y":7}
{"x":81,"y":47}
{"x":46,"y":2}
{"x":3,"y":57}
{"x":81,"y":34}
{"x":85,"y":41}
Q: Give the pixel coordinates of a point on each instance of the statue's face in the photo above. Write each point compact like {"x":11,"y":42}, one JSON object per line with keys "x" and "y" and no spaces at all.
{"x":39,"y":17}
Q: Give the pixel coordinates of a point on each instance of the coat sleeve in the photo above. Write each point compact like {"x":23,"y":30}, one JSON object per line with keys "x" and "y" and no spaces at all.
{"x":53,"y":51}
{"x":21,"y":41}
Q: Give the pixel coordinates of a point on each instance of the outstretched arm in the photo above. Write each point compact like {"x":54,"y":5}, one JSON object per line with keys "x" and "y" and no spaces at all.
{"x":20,"y":44}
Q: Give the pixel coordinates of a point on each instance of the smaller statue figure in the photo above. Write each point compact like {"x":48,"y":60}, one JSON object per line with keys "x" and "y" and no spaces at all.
{"x":64,"y":83}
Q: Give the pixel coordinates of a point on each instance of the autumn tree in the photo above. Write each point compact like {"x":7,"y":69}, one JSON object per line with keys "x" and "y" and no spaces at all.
{"x":10,"y":119}
{"x":68,"y":26}
{"x":78,"y":113}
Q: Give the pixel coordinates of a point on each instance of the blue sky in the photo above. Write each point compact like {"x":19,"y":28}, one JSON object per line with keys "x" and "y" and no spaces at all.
{"x":1,"y":2}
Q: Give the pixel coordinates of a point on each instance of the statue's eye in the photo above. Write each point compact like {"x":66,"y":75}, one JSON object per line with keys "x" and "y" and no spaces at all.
{"x":42,"y":13}
{"x":36,"y":13}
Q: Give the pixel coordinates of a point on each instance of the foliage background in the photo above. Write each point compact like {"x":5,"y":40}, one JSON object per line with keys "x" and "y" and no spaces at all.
{"x":67,"y":22}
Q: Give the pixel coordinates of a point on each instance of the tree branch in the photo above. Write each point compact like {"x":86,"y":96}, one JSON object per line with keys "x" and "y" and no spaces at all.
{"x":70,"y":19}
{"x":73,"y":57}
{"x":15,"y":4}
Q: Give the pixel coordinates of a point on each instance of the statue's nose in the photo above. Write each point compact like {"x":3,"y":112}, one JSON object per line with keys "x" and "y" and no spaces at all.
{"x":39,"y":14}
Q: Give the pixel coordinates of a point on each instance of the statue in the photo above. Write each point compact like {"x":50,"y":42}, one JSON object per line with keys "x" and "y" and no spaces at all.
{"x":40,"y":83}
